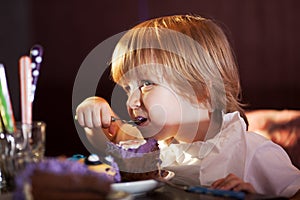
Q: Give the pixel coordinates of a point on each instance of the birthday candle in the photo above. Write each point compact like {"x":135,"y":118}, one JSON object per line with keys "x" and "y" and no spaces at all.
{"x":36,"y":54}
{"x":5,"y":103}
{"x":25,"y":86}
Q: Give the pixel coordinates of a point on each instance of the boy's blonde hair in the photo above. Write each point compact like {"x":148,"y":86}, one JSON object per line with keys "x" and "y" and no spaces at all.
{"x":193,"y":49}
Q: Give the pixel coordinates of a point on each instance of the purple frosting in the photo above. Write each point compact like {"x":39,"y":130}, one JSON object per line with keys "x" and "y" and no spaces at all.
{"x":149,"y":146}
{"x":55,"y":166}
{"x":116,"y":151}
{"x":140,"y":160}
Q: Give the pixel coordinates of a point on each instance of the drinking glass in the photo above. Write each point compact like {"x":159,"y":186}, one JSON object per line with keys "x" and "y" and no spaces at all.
{"x":25,"y":145}
{"x":34,"y":139}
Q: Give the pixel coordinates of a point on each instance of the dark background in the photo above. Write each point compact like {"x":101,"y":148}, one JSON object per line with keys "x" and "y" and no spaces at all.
{"x":265,"y":35}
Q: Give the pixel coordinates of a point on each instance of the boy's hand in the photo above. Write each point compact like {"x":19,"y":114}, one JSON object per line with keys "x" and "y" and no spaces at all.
{"x":232,"y":182}
{"x":94,"y":112}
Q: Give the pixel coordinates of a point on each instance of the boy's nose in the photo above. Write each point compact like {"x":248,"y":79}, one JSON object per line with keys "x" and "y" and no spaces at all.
{"x":134,"y":99}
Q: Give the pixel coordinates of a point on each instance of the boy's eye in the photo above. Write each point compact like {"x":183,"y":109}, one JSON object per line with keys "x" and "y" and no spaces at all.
{"x":146,"y":85}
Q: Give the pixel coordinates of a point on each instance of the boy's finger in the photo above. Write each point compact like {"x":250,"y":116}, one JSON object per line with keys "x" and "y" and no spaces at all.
{"x":88,"y":121}
{"x":217,"y":183}
{"x":96,"y":118}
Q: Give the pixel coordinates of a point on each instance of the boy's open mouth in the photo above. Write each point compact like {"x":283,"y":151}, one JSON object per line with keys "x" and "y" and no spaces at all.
{"x":139,"y":120}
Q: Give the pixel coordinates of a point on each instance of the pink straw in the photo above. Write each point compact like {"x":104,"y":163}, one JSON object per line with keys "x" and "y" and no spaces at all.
{"x":25,"y":86}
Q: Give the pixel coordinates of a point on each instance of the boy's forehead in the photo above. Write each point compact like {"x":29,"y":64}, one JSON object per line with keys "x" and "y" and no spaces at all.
{"x":152,"y":71}
{"x":140,"y":76}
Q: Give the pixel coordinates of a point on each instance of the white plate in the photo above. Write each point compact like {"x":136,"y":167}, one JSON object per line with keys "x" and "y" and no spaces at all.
{"x":140,"y":187}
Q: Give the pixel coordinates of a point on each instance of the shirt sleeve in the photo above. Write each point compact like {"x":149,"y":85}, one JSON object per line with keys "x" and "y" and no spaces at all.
{"x":271,"y":172}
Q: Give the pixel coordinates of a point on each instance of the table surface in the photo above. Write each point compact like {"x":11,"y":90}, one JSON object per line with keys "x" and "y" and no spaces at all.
{"x":169,"y":193}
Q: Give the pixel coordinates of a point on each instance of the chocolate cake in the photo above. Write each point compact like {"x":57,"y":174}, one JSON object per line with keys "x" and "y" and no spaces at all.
{"x":61,"y":179}
{"x":137,"y":159}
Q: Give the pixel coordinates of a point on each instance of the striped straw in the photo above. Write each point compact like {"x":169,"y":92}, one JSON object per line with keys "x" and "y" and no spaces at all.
{"x":5,"y":103}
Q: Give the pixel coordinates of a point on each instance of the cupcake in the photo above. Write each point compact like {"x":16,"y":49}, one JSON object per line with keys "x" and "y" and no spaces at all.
{"x":137,"y":159}
{"x":61,"y":179}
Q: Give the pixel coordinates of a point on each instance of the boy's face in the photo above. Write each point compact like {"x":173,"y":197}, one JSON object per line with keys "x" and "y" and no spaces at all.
{"x":153,"y":98}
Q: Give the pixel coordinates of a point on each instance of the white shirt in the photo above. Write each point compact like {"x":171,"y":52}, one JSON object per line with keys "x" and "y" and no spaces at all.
{"x":248,"y":155}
